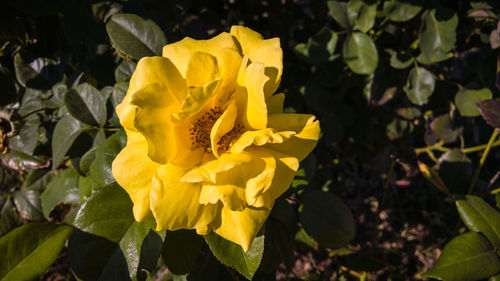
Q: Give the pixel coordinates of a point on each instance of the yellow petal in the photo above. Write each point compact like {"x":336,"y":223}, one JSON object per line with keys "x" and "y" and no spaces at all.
{"x":202,"y":69}
{"x":231,"y":196}
{"x":180,"y":52}
{"x":175,"y":205}
{"x":222,"y":126}
{"x":197,"y":99}
{"x":275,"y":103}
{"x":152,"y":119}
{"x":286,"y":166}
{"x":208,"y":171}
{"x":241,"y":227}
{"x":150,"y":70}
{"x":259,"y":137}
{"x":306,"y":129}
{"x":133,"y":170}
{"x":259,"y":184}
{"x":267,"y":52}
{"x":249,"y":96}
{"x":229,"y":64}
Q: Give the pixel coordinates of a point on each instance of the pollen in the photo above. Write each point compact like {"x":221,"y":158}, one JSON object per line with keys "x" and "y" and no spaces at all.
{"x":200,"y":129}
{"x":226,"y":140}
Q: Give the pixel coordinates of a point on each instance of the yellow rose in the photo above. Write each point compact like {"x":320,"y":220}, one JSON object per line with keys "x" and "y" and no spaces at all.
{"x":208,"y":145}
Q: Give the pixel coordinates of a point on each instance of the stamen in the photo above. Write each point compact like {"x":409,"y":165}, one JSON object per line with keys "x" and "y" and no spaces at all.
{"x":200,"y":129}
{"x":227,"y":139}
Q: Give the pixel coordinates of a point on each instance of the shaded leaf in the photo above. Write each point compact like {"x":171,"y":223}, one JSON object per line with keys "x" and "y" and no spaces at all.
{"x":86,"y":104}
{"x":437,"y":36}
{"x":360,"y":53}
{"x":94,"y":258}
{"x":319,"y":48}
{"x":35,"y":72}
{"x":180,"y":250}
{"x":135,"y":37}
{"x":8,"y":215}
{"x":105,"y":153}
{"x":455,"y":169}
{"x":65,"y":133}
{"x":401,"y":10}
{"x":28,"y":204}
{"x":62,"y":189}
{"x":338,"y":11}
{"x":443,"y":127}
{"x":233,"y":255}
{"x":419,"y":86}
{"x":490,"y":110}
{"x":327,"y":219}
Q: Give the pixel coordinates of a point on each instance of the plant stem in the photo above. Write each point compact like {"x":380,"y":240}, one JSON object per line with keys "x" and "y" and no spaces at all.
{"x":463,"y":150}
{"x":482,"y":160}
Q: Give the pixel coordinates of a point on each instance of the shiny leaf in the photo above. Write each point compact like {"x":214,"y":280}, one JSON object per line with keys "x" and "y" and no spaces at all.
{"x":135,"y":37}
{"x":30,"y":249}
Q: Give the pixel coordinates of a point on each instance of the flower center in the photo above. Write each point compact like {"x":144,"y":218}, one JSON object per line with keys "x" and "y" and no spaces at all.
{"x":201,"y":128}
{"x":226,"y":140}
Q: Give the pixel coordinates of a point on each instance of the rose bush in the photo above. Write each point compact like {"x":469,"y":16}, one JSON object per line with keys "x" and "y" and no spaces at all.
{"x":208,"y":145}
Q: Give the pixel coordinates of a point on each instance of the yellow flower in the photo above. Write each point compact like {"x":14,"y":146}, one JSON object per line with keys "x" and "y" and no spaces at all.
{"x":208,"y":145}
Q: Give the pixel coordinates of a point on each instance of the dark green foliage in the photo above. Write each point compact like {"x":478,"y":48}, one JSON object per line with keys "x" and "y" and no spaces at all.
{"x":402,"y":88}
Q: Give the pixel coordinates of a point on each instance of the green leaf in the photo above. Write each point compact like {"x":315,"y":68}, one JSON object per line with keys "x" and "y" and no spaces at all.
{"x":105,"y":153}
{"x":490,"y":110}
{"x":62,"y":189}
{"x":455,"y":170}
{"x":361,"y":15}
{"x":94,"y":258}
{"x":319,"y":48}
{"x":27,"y":138}
{"x":400,"y":60}
{"x":131,"y":243}
{"x":467,"y":257}
{"x":28,"y":204}
{"x":86,"y":104}
{"x":409,"y":113}
{"x":19,"y":161}
{"x":327,"y":219}
{"x":338,"y":10}
{"x":35,"y":72}
{"x":124,"y":71}
{"x":85,"y":187}
{"x":479,"y":216}
{"x":180,"y":250}
{"x":437,"y":36}
{"x":8,"y":215}
{"x":443,"y":127}
{"x":466,"y":101}
{"x":360,"y":53}
{"x":107,"y":213}
{"x":31,"y":102}
{"x":232,"y":254}
{"x":419,"y":86}
{"x":65,"y":133}
{"x":30,"y":249}
{"x":135,"y":37}
{"x":397,"y":128}
{"x":401,"y":10}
